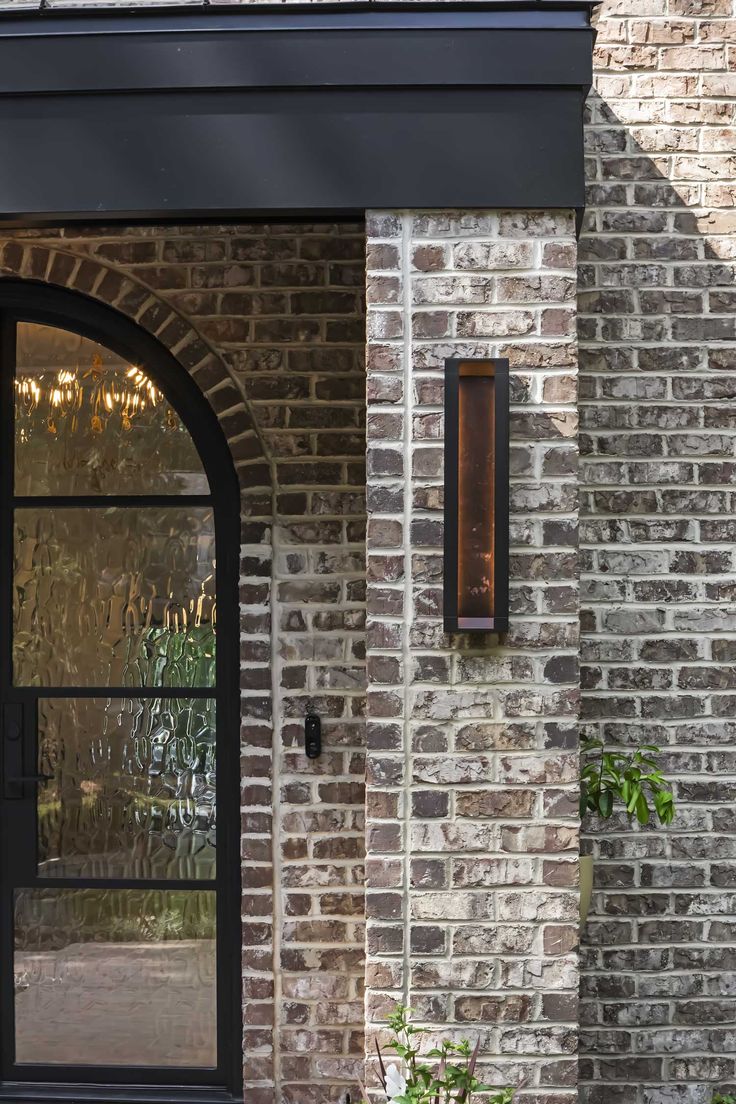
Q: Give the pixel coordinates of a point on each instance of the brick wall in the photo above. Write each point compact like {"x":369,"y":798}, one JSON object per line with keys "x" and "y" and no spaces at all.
{"x":274,"y":315}
{"x":471,"y":743}
{"x":472,"y":760}
{"x":658,"y":368}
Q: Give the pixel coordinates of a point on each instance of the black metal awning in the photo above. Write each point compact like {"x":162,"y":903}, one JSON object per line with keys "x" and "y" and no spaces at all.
{"x":218,"y":113}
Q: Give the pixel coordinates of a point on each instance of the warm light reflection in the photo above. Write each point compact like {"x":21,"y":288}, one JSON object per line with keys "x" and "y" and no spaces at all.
{"x":476,"y":537}
{"x":476,"y":474}
{"x":88,"y":396}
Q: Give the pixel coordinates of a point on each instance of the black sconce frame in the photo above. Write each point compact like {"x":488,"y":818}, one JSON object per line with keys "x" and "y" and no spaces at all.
{"x":476,"y":564}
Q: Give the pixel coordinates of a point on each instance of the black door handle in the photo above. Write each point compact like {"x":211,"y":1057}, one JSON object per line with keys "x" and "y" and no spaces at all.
{"x":14,"y":756}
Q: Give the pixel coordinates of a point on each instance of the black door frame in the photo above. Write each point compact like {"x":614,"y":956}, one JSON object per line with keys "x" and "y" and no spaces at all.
{"x":27,"y":300}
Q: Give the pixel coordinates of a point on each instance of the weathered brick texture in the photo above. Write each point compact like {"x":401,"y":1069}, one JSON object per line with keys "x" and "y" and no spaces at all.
{"x":658,"y":379}
{"x":270,"y":322}
{"x":472,"y":743}
{"x":471,"y":772}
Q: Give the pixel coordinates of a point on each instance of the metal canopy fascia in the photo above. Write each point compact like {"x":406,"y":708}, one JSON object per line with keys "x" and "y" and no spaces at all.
{"x":216,"y":114}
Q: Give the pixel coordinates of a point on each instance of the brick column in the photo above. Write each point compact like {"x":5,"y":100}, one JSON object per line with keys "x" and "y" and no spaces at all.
{"x":472,"y":742}
{"x":658,"y":363}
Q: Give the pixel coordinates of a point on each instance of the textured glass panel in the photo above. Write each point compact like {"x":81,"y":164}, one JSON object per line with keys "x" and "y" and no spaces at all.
{"x":114,"y":597}
{"x":88,"y":422}
{"x":108,"y":977}
{"x":133,"y":788}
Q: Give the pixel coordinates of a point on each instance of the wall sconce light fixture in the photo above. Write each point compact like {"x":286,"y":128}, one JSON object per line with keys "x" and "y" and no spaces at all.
{"x":476,"y":593}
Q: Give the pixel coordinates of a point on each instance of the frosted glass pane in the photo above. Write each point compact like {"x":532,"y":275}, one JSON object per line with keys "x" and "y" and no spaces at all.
{"x":114,"y":597}
{"x":114,"y":977}
{"x":89,"y":422}
{"x":133,"y":788}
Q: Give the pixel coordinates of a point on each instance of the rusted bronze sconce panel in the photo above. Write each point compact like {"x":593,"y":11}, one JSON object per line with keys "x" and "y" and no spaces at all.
{"x":476,"y":592}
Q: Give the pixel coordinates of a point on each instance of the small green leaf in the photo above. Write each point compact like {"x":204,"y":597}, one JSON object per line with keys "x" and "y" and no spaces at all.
{"x":642,"y":809}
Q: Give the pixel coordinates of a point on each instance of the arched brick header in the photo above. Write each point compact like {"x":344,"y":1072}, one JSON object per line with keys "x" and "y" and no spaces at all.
{"x":132,"y":298}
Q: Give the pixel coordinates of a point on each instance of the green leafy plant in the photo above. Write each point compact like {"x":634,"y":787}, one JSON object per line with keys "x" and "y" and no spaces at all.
{"x":720,"y":1099}
{"x":444,"y":1075}
{"x":632,"y":778}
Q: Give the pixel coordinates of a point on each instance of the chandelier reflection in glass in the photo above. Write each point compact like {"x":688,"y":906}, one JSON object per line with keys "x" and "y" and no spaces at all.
{"x":90,"y":421}
{"x":87,"y":399}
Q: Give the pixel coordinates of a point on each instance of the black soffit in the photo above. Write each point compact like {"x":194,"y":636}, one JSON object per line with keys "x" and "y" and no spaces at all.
{"x":218,"y":113}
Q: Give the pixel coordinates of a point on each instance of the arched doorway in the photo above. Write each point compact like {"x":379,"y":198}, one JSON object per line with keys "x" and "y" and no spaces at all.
{"x":118,"y":687}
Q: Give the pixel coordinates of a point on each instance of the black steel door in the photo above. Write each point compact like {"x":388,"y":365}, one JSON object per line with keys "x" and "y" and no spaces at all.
{"x":118,"y":714}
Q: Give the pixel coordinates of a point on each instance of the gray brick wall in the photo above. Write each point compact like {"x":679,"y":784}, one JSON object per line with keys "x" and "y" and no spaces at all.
{"x":471,"y":745}
{"x":658,"y":380}
{"x":472,"y":742}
